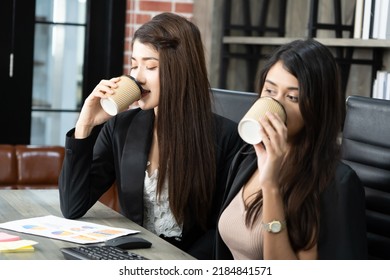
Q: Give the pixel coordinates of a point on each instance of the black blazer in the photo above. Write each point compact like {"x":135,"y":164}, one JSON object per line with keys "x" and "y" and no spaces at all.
{"x":342,"y":211}
{"x":118,"y":151}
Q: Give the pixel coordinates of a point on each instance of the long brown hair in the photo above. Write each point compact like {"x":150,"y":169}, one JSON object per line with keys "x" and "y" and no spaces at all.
{"x":311,"y":163}
{"x":185,"y":122}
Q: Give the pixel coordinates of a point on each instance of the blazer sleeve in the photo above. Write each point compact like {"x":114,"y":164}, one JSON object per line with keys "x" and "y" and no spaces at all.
{"x":83,"y":179}
{"x":343,"y":220}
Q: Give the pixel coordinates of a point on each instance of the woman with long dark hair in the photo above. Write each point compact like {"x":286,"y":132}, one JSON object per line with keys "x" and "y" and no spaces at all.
{"x":169,"y":157}
{"x":290,"y":195}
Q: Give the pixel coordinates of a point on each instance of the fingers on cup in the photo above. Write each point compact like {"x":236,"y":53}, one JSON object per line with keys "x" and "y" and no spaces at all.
{"x":266,"y":128}
{"x":104,"y":87}
{"x":277,"y":123}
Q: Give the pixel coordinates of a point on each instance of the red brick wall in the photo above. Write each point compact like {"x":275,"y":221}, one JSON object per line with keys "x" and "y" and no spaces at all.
{"x":140,"y":11}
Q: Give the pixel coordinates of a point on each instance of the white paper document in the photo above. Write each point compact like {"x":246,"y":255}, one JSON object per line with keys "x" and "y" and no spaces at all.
{"x":66,"y":229}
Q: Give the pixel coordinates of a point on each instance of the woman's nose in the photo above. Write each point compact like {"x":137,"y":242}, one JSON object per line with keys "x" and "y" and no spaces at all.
{"x":278,"y":97}
{"x":138,"y":76}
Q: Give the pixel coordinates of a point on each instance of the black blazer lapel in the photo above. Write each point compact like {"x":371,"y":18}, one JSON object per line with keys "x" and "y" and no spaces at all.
{"x":133,"y":164}
{"x":243,"y":167}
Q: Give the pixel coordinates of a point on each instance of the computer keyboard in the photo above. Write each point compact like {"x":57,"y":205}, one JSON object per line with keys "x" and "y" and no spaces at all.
{"x":104,"y":252}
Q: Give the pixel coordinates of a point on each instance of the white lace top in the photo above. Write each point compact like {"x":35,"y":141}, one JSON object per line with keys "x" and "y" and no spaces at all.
{"x":158,"y":217}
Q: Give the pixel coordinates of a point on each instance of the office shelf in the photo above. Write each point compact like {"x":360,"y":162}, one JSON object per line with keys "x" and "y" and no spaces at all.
{"x":253,"y":41}
{"x":330,"y":42}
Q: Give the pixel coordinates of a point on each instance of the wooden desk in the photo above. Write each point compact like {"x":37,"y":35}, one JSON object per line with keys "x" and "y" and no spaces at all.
{"x":22,"y":204}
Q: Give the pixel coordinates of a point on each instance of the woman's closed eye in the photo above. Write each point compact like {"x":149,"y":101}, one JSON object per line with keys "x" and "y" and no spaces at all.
{"x":293,"y":98}
{"x":268,"y":91}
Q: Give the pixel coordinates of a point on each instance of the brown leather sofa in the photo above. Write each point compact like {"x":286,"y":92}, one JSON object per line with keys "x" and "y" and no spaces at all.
{"x":110,"y":198}
{"x":29,"y":167}
{"x":38,"y":167}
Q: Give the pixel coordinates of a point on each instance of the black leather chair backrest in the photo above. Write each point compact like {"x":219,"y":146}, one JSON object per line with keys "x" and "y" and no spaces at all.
{"x":232,"y":104}
{"x":366,"y":148}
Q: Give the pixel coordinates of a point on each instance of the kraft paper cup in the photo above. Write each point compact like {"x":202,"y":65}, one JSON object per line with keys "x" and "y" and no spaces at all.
{"x":249,"y":126}
{"x":127,"y":92}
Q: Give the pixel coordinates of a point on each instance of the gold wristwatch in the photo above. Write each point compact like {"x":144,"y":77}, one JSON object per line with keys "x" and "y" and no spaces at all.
{"x":275,"y":226}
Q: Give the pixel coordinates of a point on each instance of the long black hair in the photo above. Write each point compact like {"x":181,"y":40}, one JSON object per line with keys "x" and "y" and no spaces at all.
{"x":311,"y":163}
{"x":185,"y":122}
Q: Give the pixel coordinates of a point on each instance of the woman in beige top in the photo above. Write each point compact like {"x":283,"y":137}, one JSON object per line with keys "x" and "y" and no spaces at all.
{"x":290,"y":197}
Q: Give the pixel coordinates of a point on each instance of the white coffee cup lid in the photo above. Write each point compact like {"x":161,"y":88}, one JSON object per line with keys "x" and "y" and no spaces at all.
{"x":109,"y":106}
{"x":248,"y":129}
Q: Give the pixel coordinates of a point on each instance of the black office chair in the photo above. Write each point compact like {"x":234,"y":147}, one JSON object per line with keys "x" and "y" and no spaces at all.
{"x":232,"y":104}
{"x":366,"y":148}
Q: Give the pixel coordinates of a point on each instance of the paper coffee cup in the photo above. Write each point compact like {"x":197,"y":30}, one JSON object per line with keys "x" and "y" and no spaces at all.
{"x":249,"y":126}
{"x":127,"y":92}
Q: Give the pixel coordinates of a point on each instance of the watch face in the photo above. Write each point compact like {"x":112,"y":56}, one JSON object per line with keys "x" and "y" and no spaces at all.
{"x":275,"y":226}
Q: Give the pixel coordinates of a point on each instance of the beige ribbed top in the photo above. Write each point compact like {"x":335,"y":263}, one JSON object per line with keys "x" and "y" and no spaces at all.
{"x":244,"y":243}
